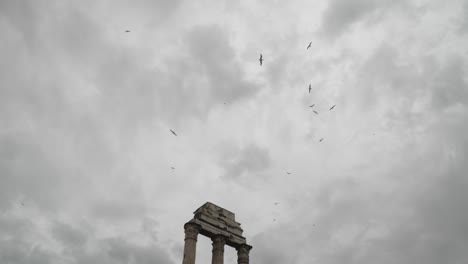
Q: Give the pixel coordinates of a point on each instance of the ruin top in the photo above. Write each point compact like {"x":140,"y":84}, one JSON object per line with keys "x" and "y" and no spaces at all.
{"x":215,"y":210}
{"x":214,"y":220}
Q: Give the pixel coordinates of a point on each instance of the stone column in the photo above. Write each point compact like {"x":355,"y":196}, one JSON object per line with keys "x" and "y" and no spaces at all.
{"x":190,"y":247}
{"x":243,"y":254}
{"x":218,"y":249}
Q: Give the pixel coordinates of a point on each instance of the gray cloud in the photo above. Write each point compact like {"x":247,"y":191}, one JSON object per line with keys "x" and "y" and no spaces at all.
{"x":210,"y":48}
{"x":68,"y":235}
{"x":341,"y":15}
{"x":115,"y":210}
{"x":249,"y":159}
{"x":84,"y":142}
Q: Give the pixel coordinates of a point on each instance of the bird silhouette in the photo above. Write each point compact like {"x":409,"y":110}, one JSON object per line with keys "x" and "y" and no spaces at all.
{"x":261,"y":59}
{"x":22,"y":204}
{"x":332,"y":107}
{"x":315,"y":112}
{"x":173,"y":132}
{"x":126,"y":31}
{"x":288,"y":172}
{"x":276,"y":203}
{"x":172,"y":168}
{"x":274,"y":219}
{"x":312,"y":105}
{"x":310,"y":44}
{"x":310,"y":87}
{"x":321,"y":140}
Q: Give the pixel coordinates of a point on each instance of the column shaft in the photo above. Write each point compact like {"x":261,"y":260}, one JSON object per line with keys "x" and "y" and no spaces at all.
{"x":218,"y":249}
{"x":190,"y":247}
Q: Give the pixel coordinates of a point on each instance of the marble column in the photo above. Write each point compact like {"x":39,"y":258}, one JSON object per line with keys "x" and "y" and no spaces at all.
{"x":190,"y":247}
{"x":243,"y":254}
{"x":218,"y":249}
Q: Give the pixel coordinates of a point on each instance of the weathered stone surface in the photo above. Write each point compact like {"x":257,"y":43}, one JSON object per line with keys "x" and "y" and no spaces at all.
{"x":215,"y":220}
{"x":243,"y":254}
{"x":220,"y":225}
{"x":190,"y":246}
{"x":218,"y":249}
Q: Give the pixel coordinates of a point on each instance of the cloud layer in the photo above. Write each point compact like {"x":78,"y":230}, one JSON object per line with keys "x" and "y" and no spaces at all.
{"x":90,"y":173}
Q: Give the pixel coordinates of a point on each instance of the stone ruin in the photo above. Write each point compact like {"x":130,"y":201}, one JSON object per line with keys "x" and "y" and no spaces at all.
{"x":220,"y":225}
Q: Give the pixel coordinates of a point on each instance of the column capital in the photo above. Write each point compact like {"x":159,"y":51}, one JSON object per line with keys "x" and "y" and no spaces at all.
{"x":243,"y":253}
{"x":218,"y":242}
{"x":191,"y":231}
{"x":218,"y":249}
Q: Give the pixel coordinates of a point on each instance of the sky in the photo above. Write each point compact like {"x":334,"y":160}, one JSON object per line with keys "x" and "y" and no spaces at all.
{"x":86,"y":110}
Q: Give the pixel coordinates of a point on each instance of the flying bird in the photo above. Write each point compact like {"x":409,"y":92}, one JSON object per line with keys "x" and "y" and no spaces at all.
{"x":310,"y":44}
{"x":172,"y":168}
{"x":22,"y":204}
{"x":274,"y":219}
{"x":173,"y":132}
{"x":332,"y":107}
{"x":276,"y":203}
{"x":261,"y":59}
{"x":315,"y":112}
{"x":321,"y":140}
{"x":288,"y":172}
{"x":310,"y":87}
{"x":312,"y":105}
{"x":126,"y":31}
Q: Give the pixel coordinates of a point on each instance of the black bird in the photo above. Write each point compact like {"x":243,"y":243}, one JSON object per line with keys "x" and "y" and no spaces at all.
{"x":276,"y":203}
{"x":315,"y":112}
{"x":310,"y":87}
{"x":332,"y":107}
{"x":288,"y":172}
{"x":312,"y":105}
{"x":310,"y":44}
{"x":261,"y":59}
{"x":274,"y":219}
{"x":321,"y":140}
{"x":126,"y":31}
{"x":172,"y":168}
{"x":173,"y":132}
{"x":22,"y":204}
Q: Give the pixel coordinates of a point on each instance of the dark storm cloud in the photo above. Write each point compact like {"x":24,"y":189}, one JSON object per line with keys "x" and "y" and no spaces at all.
{"x":249,"y":159}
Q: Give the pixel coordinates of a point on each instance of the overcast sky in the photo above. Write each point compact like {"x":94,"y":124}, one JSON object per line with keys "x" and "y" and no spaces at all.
{"x":86,"y":111}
